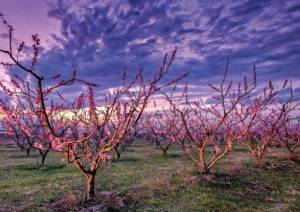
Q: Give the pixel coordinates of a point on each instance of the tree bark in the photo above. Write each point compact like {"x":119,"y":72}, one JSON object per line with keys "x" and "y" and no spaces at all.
{"x":43,"y":156}
{"x":43,"y":159}
{"x":27,"y":152}
{"x":292,"y":156}
{"x":202,"y":166}
{"x":118,"y":156}
{"x":260,"y":162}
{"x":164,"y":152}
{"x":203,"y":169}
{"x":118,"y":153}
{"x":90,"y":187}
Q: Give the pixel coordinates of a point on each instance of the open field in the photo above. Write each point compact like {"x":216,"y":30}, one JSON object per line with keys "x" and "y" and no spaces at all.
{"x":144,"y":180}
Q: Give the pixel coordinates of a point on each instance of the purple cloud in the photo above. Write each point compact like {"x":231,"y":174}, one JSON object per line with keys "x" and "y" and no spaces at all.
{"x":103,"y":37}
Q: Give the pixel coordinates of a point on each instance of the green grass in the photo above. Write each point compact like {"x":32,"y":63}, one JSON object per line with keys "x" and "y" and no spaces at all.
{"x":148,"y":181}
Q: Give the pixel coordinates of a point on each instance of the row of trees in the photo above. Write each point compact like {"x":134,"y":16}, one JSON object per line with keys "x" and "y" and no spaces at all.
{"x":85,"y":132}
{"x":257,"y":118}
{"x":82,"y":132}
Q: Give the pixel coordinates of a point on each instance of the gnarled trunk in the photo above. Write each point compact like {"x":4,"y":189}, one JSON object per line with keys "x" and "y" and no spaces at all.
{"x":164,"y":152}
{"x":118,"y":156}
{"x":90,"y":187}
{"x":203,"y":169}
{"x":27,"y":152}
{"x":203,"y":166}
{"x":43,"y":159}
{"x":258,"y":157}
{"x":260,"y":162}
{"x":43,"y":156}
{"x":165,"y":149}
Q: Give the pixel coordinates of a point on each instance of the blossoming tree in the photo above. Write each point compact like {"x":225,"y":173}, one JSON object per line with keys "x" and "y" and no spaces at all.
{"x":26,"y":133}
{"x":81,"y":130}
{"x":263,"y":118}
{"x":209,"y":131}
{"x":157,"y":128}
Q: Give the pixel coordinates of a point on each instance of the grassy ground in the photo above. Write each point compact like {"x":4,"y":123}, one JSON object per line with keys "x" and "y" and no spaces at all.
{"x":144,"y":180}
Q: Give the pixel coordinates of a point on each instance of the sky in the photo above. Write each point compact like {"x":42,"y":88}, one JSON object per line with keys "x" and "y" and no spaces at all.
{"x":102,"y":37}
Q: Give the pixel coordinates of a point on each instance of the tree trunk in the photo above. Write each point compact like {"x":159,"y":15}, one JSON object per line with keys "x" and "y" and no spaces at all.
{"x":90,"y":187}
{"x":203,"y":169}
{"x":118,"y":153}
{"x":43,"y":159}
{"x":43,"y":156}
{"x":202,"y":166}
{"x":164,"y":152}
{"x":292,"y":156}
{"x":258,"y":157}
{"x":118,"y":156}
{"x":27,"y":152}
{"x":260,"y":162}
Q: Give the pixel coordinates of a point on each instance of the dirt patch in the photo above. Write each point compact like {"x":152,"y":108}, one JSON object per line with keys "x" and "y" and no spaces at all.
{"x":67,"y":202}
{"x":241,"y":156}
{"x":5,"y":208}
{"x":104,"y":201}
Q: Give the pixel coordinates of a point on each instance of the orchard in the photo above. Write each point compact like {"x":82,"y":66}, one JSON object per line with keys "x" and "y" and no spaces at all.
{"x":122,"y":144}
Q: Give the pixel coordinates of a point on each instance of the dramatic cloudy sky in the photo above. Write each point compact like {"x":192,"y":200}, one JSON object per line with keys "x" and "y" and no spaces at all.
{"x":101,"y":37}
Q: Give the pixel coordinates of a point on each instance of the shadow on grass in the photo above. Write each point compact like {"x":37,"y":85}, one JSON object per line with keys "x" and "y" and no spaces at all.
{"x":165,"y":158}
{"x":175,"y":155}
{"x":237,"y":187}
{"x":22,"y":156}
{"x":224,"y":181}
{"x":44,"y":168}
{"x":8,"y":149}
{"x":126,"y":160}
{"x":240,"y":149}
{"x":285,"y":167}
{"x":130,"y":150}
